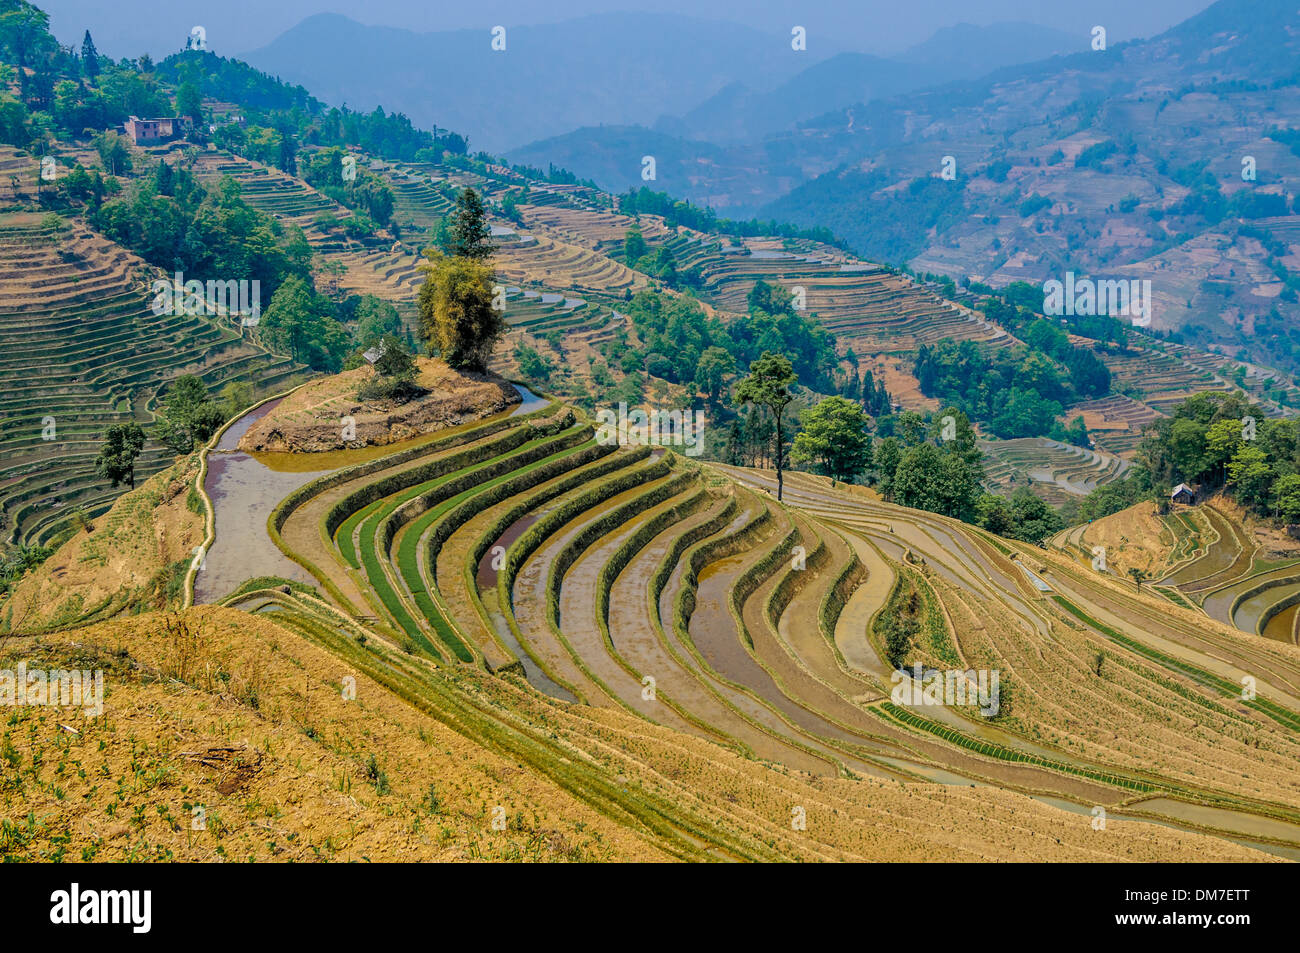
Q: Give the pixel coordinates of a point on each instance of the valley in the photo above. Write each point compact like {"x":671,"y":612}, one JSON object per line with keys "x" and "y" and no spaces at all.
{"x":946,"y":579}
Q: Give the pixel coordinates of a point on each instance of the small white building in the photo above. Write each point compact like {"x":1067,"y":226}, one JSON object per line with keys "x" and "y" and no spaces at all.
{"x":1182,"y":493}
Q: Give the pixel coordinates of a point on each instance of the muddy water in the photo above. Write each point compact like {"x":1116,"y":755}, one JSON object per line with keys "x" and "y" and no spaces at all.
{"x":243,"y":491}
{"x":713,"y":631}
{"x":491,"y":603}
{"x":1221,"y":555}
{"x":1282,"y":626}
{"x":1249,"y":612}
{"x":1155,"y":805}
{"x":486,"y":579}
{"x":485,"y":575}
{"x":246,"y":487}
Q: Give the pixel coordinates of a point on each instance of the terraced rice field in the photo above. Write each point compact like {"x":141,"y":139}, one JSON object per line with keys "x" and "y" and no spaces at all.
{"x":552,"y":263}
{"x":1163,"y":380}
{"x":1055,"y":471}
{"x":83,"y":350}
{"x":1213,"y":565}
{"x":268,"y":190}
{"x":634,"y":581}
{"x":1115,"y":423}
{"x":869,"y":308}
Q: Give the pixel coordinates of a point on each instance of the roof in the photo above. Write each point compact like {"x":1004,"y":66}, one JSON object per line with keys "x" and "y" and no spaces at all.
{"x":1180,"y":488}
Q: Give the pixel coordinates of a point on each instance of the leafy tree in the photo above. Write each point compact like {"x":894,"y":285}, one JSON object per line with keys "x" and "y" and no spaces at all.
{"x":769,"y":299}
{"x":164,"y":179}
{"x":299,"y":322}
{"x":834,"y":438}
{"x":456,"y":313}
{"x":113,"y":152}
{"x":469,"y":235}
{"x":236,"y":396}
{"x":188,"y":416}
{"x":1286,"y":497}
{"x":375,"y":317}
{"x":634,"y":246}
{"x":116,"y":460}
{"x":24,"y":34}
{"x":911,"y":428}
{"x":928,"y":479}
{"x":1250,"y":473}
{"x":189,"y":102}
{"x":712,"y":369}
{"x":768,"y":385}
{"x":884,"y":459}
{"x":1025,"y":516}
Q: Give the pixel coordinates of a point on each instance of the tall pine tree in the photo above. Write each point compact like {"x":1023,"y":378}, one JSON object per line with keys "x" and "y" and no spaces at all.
{"x":470,"y":236}
{"x":89,"y":57}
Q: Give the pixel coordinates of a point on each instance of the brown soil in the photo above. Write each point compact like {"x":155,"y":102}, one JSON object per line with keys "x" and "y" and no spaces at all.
{"x":124,"y":558}
{"x":1135,"y":538}
{"x":310,"y":420}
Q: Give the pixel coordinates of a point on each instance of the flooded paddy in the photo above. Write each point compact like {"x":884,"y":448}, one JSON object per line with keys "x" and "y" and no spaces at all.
{"x":246,"y":487}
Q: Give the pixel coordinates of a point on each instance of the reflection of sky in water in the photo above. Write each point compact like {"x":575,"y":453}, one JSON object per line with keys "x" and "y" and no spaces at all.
{"x":245,"y":489}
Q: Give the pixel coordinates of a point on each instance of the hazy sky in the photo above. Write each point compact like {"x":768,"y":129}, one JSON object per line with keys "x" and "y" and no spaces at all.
{"x":158,"y":27}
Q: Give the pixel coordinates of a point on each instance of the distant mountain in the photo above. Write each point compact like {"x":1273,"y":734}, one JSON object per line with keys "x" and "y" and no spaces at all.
{"x":740,"y":117}
{"x":739,"y":112}
{"x":620,"y":68}
{"x":966,"y":51}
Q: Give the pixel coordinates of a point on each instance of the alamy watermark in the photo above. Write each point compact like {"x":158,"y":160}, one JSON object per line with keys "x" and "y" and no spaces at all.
{"x":57,"y":688}
{"x":951,"y":688}
{"x":1085,"y":297}
{"x":653,"y":428}
{"x":194,"y":297}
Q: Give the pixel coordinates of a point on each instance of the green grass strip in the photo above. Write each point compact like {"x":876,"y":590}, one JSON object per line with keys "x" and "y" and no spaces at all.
{"x":407,"y":560}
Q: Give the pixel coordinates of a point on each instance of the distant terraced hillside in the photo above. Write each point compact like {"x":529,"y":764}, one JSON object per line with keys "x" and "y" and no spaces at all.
{"x":568,"y":255}
{"x":83,"y":350}
{"x":1053,"y":470}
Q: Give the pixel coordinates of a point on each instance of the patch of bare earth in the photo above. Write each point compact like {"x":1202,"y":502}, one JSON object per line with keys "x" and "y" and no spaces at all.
{"x":312,"y":418}
{"x":124,"y":558}
{"x":1135,"y":538}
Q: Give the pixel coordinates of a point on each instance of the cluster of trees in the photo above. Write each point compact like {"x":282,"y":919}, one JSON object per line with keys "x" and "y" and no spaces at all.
{"x":1019,"y":306}
{"x":61,"y":93}
{"x":683,"y":345}
{"x":1215,"y":441}
{"x":1017,"y":392}
{"x":660,"y":263}
{"x":305,"y":324}
{"x":916,"y":465}
{"x":554,"y":174}
{"x":366,"y":193}
{"x":1208,"y":441}
{"x":187,"y":417}
{"x":172,"y":220}
{"x":1207,"y":201}
{"x":270,"y":104}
